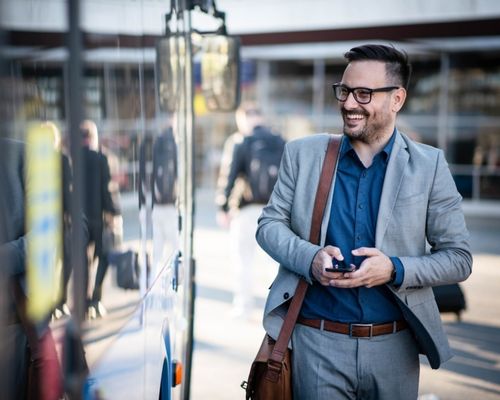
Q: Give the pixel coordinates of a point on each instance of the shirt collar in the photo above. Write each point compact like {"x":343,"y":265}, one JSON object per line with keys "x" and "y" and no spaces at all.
{"x":390,"y":144}
{"x":386,"y":151}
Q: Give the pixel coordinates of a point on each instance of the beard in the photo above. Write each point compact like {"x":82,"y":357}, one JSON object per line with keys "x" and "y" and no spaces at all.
{"x":373,"y":129}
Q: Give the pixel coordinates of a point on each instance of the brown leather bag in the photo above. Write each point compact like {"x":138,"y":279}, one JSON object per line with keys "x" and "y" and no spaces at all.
{"x":259,"y":386}
{"x":270,"y":376}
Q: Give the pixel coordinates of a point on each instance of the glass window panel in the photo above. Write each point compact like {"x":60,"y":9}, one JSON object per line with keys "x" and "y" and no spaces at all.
{"x":424,"y":88}
{"x":291,"y":87}
{"x":475,"y":84}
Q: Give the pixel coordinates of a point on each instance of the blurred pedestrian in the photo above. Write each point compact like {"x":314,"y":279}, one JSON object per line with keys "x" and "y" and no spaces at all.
{"x":14,"y":344}
{"x":164,"y":214}
{"x":390,"y":197}
{"x":100,"y":209}
{"x":27,"y":347}
{"x":246,"y":180}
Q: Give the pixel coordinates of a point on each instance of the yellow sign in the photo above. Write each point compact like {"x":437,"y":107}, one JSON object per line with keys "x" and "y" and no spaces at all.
{"x":44,"y":221}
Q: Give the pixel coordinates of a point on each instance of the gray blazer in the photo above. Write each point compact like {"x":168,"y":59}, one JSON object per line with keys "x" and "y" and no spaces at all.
{"x":419,"y":204}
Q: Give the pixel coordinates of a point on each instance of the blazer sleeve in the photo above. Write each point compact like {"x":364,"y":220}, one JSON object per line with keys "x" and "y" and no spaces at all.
{"x":450,"y":258}
{"x":274,"y":232}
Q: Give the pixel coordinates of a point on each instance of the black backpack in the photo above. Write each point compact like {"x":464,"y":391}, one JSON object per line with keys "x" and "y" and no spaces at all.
{"x":263,"y":151}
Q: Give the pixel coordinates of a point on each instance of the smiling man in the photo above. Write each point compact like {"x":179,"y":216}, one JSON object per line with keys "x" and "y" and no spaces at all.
{"x":359,"y":332}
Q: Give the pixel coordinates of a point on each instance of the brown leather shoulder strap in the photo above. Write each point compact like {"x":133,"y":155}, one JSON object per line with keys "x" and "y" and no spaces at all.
{"x":324,"y":185}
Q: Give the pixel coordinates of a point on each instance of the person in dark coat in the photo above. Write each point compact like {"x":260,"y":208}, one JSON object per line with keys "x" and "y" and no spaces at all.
{"x":28,"y":357}
{"x":98,"y":202}
{"x":13,"y":340}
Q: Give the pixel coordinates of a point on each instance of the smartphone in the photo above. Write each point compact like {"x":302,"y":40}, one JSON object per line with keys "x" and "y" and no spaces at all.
{"x":339,"y":266}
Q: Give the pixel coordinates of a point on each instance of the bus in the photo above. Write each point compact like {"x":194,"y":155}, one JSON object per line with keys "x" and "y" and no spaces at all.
{"x":97,"y":197}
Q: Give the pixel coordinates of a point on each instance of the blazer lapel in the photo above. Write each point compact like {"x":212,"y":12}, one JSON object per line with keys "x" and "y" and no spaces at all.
{"x":392,"y":182}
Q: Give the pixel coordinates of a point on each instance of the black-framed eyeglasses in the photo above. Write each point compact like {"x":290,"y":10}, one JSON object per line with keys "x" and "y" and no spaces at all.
{"x":361,"y":94}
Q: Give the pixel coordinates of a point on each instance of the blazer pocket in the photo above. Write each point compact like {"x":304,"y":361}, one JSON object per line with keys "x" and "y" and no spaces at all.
{"x":411,"y":199}
{"x":419,"y":297}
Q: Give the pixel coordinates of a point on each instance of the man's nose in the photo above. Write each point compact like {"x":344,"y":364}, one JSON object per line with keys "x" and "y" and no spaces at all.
{"x":350,"y":102}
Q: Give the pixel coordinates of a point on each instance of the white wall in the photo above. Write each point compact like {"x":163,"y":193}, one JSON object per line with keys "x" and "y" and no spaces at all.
{"x":103,"y":16}
{"x":243,"y":16}
{"x":246,"y":16}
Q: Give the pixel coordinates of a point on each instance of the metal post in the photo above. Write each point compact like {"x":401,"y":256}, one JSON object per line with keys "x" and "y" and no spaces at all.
{"x":476,"y":182}
{"x":442,"y":133}
{"x":4,"y":350}
{"x":75,"y":118}
{"x":318,"y":110}
{"x":263,"y":85}
{"x":74,"y":365}
{"x":147,"y":206}
{"x":189,"y":194}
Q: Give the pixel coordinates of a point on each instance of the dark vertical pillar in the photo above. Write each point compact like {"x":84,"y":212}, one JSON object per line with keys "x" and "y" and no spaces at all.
{"x":4,"y":360}
{"x":75,"y":368}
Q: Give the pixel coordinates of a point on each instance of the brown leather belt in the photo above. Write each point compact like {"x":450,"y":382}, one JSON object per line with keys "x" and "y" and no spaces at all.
{"x":354,"y":330}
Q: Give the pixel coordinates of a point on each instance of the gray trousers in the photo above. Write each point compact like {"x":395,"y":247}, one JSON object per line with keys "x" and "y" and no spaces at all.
{"x":329,"y":365}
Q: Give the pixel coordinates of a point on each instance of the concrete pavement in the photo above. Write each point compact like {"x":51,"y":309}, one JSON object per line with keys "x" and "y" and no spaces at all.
{"x":225,"y":346}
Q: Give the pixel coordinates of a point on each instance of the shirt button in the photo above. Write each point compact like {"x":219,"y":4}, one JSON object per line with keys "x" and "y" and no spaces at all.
{"x":360,"y":206}
{"x":363,"y":174}
{"x":286,"y":295}
{"x":358,"y":237}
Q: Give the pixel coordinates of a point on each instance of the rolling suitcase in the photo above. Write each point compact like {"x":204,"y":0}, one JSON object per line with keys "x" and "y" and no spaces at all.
{"x":450,"y":298}
{"x":127,"y":268}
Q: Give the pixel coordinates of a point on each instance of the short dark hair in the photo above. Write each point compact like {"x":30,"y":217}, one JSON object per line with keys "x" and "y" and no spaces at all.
{"x":398,"y":67}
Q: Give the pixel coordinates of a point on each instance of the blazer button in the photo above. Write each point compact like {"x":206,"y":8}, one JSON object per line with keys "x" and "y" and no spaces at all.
{"x":286,"y":296}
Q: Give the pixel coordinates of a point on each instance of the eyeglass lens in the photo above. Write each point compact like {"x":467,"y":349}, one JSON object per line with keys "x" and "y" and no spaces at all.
{"x":362,"y":96}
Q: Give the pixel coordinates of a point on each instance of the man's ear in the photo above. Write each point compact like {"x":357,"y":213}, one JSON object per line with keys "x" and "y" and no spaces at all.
{"x":398,"y":100}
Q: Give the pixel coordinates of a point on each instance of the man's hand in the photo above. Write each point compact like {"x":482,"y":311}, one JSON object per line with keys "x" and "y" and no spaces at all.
{"x":375,"y":270}
{"x":323,"y":259}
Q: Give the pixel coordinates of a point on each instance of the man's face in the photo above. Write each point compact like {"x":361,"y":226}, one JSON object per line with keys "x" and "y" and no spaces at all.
{"x":375,"y":120}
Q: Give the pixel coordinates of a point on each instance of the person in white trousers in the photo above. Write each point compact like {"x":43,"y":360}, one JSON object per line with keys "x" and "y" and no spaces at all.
{"x":240,"y":207}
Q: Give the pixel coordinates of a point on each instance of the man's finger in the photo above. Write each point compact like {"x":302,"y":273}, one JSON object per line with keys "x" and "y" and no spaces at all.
{"x":366,"y":251}
{"x":345,"y":283}
{"x":333,"y":251}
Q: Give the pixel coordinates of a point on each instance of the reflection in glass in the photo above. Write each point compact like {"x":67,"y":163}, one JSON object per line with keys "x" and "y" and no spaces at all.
{"x":220,"y":72}
{"x":164,"y":196}
{"x":170,"y":53}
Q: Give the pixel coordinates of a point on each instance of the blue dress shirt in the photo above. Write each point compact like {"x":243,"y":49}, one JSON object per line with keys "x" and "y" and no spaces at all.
{"x":352,"y":224}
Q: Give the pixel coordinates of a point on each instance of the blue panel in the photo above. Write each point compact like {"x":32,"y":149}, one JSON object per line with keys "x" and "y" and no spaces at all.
{"x":166,"y":373}
{"x":166,"y":381}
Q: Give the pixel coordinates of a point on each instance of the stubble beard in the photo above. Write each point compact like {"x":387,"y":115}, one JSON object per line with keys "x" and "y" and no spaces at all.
{"x":371,"y":132}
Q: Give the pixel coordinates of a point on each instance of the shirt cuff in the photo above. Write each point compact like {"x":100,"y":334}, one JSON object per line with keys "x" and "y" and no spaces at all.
{"x":400,"y":271}
{"x":311,"y":276}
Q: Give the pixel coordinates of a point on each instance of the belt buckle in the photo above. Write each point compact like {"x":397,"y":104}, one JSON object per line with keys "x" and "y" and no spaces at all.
{"x":361,"y":325}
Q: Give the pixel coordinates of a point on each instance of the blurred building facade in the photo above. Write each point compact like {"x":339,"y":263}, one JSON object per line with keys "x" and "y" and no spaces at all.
{"x":292,"y":51}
